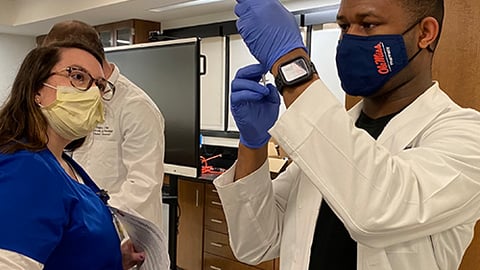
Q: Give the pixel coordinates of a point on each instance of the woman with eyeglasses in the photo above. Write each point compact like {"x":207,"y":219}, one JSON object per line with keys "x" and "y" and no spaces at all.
{"x":53,"y":216}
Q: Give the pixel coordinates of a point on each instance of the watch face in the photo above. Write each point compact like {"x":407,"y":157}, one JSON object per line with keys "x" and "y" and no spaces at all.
{"x":294,"y":70}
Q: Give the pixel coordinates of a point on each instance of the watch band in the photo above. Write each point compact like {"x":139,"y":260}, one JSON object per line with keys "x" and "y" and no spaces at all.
{"x":279,"y":84}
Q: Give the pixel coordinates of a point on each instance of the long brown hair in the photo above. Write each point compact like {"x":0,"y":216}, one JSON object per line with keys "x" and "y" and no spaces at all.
{"x":22,"y":124}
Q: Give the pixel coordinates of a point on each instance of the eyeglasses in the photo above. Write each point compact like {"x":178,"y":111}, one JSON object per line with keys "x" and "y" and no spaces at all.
{"x":82,"y":80}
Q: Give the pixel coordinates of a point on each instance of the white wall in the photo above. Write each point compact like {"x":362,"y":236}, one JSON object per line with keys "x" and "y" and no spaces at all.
{"x":13,"y":49}
{"x":323,"y":51}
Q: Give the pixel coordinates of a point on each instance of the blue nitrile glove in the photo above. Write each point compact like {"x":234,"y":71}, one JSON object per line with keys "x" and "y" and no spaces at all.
{"x":254,"y":106}
{"x":268,"y":28}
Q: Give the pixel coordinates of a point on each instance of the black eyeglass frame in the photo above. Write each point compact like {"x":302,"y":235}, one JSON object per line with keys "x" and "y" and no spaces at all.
{"x":107,"y":89}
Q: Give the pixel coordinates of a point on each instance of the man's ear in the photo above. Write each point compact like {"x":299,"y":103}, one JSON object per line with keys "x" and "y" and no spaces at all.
{"x":430,"y":29}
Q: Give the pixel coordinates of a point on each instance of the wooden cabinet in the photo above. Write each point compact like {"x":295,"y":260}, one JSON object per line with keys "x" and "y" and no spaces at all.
{"x":126,"y":32}
{"x":121,"y":33}
{"x":456,"y":67}
{"x":202,"y":231}
{"x":190,"y":227}
{"x":213,"y":262}
{"x":217,"y":252}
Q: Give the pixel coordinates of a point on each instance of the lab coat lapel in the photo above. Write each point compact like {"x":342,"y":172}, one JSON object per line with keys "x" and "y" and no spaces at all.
{"x":404,"y":127}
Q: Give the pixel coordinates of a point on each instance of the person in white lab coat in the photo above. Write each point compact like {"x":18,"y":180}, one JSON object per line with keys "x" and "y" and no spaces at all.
{"x":392,"y":184}
{"x":125,"y":153}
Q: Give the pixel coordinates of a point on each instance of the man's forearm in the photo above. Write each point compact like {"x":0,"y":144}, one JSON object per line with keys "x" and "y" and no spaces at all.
{"x":249,"y":160}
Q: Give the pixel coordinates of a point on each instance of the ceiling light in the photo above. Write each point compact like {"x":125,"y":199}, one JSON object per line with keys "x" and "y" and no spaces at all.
{"x":183,"y":5}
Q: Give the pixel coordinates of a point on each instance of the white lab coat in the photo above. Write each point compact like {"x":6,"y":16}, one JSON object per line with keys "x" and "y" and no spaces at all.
{"x":125,"y":154}
{"x":410,"y":199}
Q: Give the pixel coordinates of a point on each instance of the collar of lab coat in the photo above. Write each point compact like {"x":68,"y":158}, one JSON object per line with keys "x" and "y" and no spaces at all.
{"x":115,"y":74}
{"x":412,"y":120}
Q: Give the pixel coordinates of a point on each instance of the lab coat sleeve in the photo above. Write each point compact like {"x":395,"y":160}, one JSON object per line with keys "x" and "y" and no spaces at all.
{"x":14,"y":261}
{"x":384,"y":198}
{"x":254,"y":208}
{"x":143,"y":144}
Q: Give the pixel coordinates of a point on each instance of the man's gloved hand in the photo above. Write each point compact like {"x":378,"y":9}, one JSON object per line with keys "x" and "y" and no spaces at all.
{"x":254,"y":106}
{"x":268,"y":28}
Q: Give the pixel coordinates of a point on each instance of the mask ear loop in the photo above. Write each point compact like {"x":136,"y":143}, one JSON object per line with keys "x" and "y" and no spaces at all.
{"x":419,"y":50}
{"x":429,"y":48}
{"x":415,"y":55}
{"x":413,"y":26}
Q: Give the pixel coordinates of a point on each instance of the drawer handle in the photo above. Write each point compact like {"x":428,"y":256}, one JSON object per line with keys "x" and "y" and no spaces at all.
{"x":197,"y":193}
{"x":216,"y":245}
{"x":216,"y":221}
{"x":216,"y":203}
{"x":215,"y":268}
{"x":214,"y":191}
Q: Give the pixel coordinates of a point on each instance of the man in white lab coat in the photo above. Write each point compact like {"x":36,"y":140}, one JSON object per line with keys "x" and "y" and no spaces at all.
{"x":124,"y":155}
{"x":393,"y":184}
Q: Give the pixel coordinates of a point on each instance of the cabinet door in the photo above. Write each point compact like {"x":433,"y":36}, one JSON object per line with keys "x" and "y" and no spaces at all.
{"x":239,"y":57}
{"x":124,"y":36}
{"x":212,"y":91}
{"x":213,"y":262}
{"x":190,"y":228}
{"x":106,"y":34}
{"x":106,"y":37}
{"x":126,"y":32}
{"x":123,"y":33}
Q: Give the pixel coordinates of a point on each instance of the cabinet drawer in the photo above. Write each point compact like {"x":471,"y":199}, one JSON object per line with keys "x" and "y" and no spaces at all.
{"x":215,"y":219}
{"x":212,"y":200}
{"x":217,"y":243}
{"x":212,"y":197}
{"x":212,"y":262}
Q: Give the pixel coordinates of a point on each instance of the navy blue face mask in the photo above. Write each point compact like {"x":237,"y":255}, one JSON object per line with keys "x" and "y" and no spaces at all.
{"x":366,"y":63}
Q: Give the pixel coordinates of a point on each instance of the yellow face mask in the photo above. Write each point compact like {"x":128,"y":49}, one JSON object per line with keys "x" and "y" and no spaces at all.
{"x":75,"y":113}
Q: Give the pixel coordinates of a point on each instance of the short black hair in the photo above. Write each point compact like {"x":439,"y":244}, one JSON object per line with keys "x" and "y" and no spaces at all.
{"x":420,"y":9}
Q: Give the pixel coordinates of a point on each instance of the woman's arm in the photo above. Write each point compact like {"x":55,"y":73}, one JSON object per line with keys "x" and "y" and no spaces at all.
{"x":15,"y":261}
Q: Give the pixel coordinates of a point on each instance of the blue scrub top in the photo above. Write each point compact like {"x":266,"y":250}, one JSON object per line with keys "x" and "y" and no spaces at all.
{"x":49,"y":217}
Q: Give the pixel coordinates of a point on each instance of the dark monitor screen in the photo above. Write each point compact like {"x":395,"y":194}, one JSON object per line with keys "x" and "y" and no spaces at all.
{"x":168,"y":71}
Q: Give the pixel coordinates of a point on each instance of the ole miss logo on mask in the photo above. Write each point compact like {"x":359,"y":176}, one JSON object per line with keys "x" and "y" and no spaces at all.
{"x":383,"y":59}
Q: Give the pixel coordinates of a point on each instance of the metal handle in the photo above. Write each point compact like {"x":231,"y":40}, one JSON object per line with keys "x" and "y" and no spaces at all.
{"x":216,"y":221}
{"x":196,"y":197}
{"x":214,"y":191}
{"x":216,"y":203}
{"x":203,"y":60}
{"x":216,"y":244}
{"x":215,"y":268}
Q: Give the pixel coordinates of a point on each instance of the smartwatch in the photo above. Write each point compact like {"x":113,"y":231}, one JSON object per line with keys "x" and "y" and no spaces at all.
{"x":294,"y":72}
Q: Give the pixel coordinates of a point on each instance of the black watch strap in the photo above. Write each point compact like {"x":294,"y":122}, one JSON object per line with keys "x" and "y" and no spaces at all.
{"x":279,"y":84}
